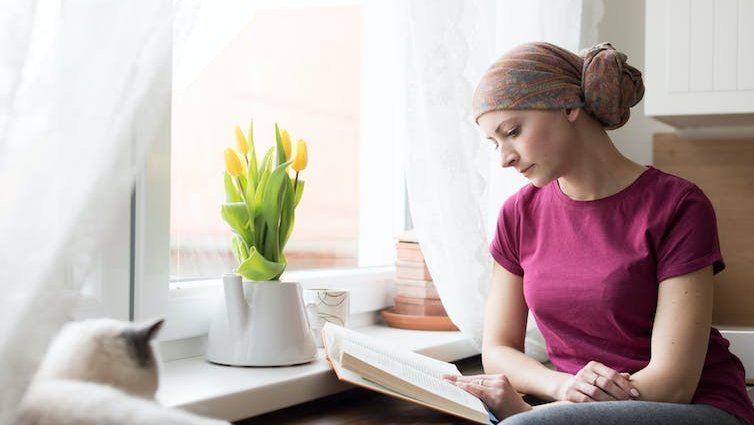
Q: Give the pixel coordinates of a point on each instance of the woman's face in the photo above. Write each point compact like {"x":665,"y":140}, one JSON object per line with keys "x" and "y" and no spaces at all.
{"x":537,"y":143}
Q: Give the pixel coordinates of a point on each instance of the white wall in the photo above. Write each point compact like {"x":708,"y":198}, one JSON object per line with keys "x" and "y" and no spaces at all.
{"x":623,"y":25}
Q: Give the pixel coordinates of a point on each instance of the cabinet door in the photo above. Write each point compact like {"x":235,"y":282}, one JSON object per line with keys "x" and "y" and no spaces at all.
{"x":700,"y":58}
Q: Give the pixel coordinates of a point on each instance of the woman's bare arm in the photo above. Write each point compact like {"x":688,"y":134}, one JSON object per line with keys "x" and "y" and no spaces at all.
{"x":505,"y":319}
{"x":679,"y":338}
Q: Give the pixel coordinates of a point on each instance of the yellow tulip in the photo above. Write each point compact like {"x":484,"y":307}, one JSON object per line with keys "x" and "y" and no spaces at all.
{"x":286,"y":139}
{"x":243,"y":146}
{"x":233,"y":163}
{"x":301,"y":157}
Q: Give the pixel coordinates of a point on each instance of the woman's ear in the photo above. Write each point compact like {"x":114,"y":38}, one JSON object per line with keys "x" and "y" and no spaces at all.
{"x":572,"y":114}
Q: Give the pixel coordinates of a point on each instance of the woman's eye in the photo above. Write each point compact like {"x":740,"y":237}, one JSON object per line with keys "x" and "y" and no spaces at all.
{"x":514,"y":132}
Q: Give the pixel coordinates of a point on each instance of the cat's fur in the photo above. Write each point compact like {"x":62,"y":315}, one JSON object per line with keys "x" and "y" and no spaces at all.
{"x":103,"y":372}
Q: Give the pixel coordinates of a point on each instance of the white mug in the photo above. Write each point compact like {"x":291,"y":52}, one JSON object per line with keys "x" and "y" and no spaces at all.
{"x":326,"y":305}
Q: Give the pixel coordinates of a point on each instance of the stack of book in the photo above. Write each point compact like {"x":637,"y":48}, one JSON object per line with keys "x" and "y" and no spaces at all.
{"x":415,"y":292}
{"x":417,"y":303}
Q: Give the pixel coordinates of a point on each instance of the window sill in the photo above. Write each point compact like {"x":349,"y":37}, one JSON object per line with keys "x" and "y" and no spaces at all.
{"x":234,"y":393}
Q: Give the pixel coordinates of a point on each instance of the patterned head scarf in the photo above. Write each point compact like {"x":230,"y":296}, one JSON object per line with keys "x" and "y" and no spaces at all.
{"x":545,"y":76}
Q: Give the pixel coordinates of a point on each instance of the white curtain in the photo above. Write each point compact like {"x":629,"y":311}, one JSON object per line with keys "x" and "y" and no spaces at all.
{"x":455,"y":184}
{"x":84,"y":89}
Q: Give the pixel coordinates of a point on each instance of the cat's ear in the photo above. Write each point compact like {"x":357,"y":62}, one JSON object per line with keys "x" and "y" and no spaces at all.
{"x":138,"y":337}
{"x":146,"y":331}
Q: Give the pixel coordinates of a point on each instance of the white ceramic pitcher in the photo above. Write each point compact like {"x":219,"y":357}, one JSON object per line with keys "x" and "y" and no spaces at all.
{"x":260,"y":324}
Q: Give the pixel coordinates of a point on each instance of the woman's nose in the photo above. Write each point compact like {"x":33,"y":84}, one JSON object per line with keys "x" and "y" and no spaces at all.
{"x":509,"y":158}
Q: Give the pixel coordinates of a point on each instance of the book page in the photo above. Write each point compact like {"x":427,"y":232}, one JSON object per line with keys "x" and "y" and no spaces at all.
{"x":417,"y":361}
{"x":416,"y":372}
{"x":335,"y":336}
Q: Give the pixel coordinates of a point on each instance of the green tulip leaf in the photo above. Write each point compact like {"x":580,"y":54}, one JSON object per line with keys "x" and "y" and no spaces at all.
{"x":250,"y":197}
{"x":299,"y":192}
{"x":237,"y":216}
{"x":286,"y":214}
{"x":259,"y":231}
{"x":240,"y":249}
{"x":271,"y":206}
{"x":236,"y":250}
{"x":279,"y":146}
{"x":265,"y":164}
{"x":231,"y":193}
{"x":257,"y":268}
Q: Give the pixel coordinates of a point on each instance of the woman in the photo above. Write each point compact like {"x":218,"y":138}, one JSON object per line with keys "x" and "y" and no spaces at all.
{"x":614,"y":259}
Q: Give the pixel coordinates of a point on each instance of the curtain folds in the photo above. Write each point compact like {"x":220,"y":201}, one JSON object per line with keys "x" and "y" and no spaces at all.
{"x":454,"y":182}
{"x":85,"y":89}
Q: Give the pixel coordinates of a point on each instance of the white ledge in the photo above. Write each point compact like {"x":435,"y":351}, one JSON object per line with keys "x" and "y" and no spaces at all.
{"x":234,"y":393}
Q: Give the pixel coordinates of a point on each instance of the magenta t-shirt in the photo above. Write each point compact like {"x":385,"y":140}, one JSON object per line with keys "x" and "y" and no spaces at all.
{"x":592,"y":269}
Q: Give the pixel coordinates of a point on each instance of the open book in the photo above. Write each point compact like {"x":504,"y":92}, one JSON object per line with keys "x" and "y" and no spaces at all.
{"x":368,"y":363}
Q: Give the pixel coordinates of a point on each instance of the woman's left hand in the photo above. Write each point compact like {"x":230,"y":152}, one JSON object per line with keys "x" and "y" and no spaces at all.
{"x":494,"y":390}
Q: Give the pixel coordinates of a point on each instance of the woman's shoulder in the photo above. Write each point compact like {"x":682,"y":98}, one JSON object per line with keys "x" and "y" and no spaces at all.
{"x":523,"y":197}
{"x":668,"y":186}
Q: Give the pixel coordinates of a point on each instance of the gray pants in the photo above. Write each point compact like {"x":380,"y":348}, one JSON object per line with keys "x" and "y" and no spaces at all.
{"x":624,"y":413}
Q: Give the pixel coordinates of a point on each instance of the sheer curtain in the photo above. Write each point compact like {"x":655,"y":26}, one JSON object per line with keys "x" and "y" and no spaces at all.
{"x":454,"y":183}
{"x":84,"y":89}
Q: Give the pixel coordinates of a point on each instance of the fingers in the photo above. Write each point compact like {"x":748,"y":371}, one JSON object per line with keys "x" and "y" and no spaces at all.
{"x":480,"y":386}
{"x":594,"y":391}
{"x":495,"y":391}
{"x":607,"y":383}
{"x":469,"y":378}
{"x":477,"y":390}
{"x":483,"y":380}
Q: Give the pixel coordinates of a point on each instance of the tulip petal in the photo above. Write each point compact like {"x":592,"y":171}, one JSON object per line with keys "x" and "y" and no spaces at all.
{"x":241,"y":143}
{"x":302,"y":157}
{"x":286,"y":139}
{"x":233,"y":163}
{"x":252,"y":155}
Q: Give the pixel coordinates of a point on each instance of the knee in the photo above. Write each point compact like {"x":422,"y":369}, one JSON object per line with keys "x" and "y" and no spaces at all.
{"x":525,"y":418}
{"x":547,"y":416}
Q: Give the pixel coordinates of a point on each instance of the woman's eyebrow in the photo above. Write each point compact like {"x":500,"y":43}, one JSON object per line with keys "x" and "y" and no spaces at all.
{"x":499,"y":129}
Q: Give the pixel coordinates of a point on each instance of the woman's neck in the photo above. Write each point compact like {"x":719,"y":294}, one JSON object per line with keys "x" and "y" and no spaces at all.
{"x":599,"y":171}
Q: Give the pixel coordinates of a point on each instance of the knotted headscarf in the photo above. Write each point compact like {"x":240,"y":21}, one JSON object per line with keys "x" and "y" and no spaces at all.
{"x":545,"y":76}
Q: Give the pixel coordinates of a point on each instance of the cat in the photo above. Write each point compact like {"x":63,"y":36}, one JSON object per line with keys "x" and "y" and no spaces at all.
{"x":104,"y":372}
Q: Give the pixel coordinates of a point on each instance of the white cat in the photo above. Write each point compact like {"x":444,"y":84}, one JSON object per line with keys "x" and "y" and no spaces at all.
{"x":104,"y":372}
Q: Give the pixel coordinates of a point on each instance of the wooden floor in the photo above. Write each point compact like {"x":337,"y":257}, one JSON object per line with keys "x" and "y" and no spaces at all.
{"x":362,"y":407}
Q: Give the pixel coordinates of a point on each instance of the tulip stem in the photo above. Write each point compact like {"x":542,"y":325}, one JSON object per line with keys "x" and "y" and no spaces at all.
{"x":243,"y":198}
{"x":295,"y":183}
{"x":240,"y":190}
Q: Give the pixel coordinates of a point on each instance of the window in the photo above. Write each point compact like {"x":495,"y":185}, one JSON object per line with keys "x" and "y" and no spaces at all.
{"x":295,"y":66}
{"x":307,"y":67}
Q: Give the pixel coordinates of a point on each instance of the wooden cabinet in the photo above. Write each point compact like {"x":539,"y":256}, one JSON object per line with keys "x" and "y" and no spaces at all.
{"x":699,"y":68}
{"x":724,"y":170}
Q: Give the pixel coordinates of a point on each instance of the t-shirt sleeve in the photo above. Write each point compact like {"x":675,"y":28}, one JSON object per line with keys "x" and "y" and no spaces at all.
{"x":690,"y":242}
{"x":505,"y":243}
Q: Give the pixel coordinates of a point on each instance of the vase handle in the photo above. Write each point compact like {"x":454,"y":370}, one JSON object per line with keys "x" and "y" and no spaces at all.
{"x":235,"y":304}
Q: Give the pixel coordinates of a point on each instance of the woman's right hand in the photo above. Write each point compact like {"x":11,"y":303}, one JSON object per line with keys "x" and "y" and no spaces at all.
{"x":597,"y":382}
